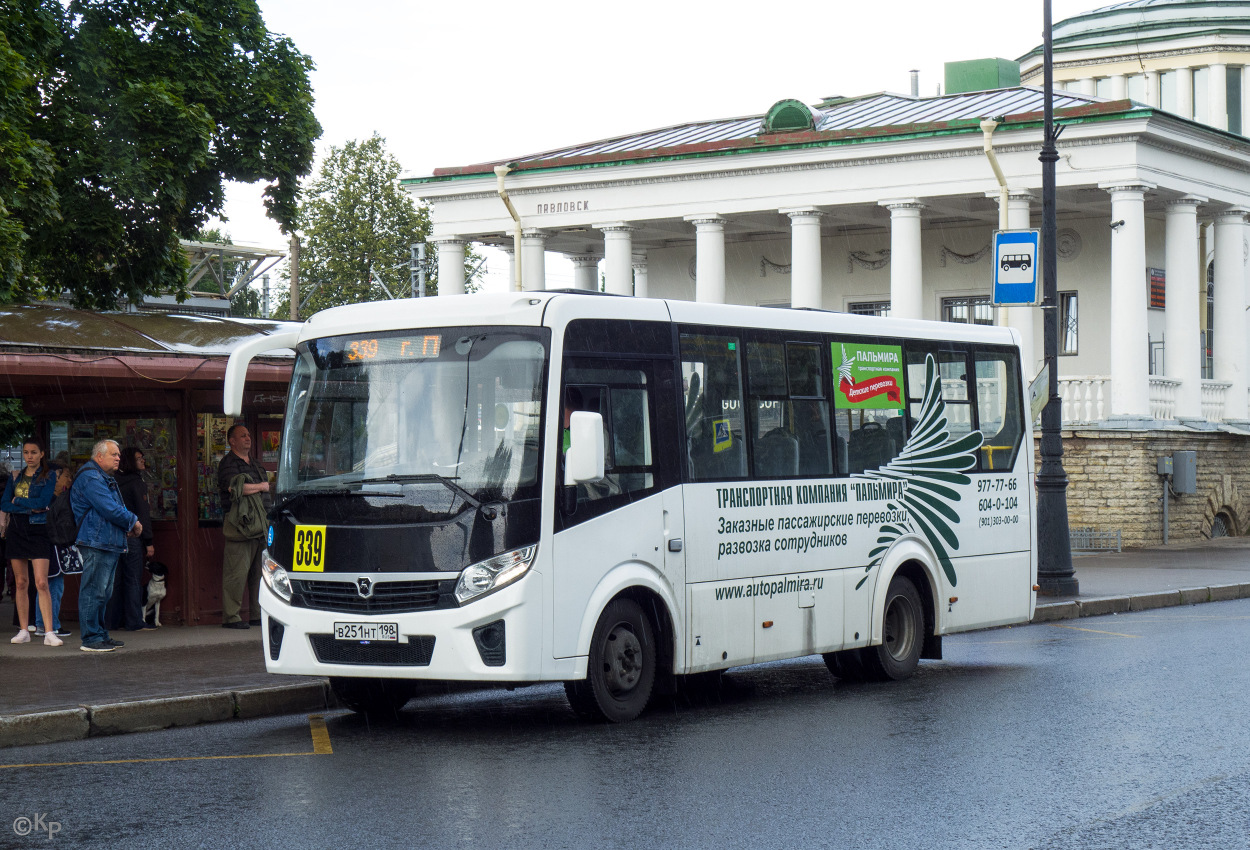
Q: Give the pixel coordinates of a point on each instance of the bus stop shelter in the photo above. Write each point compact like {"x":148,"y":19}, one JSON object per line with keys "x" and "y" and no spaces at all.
{"x":151,"y":380}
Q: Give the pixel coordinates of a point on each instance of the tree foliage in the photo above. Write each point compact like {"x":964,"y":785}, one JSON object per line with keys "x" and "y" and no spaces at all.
{"x":359,"y":226}
{"x":15,"y":425}
{"x":124,"y":118}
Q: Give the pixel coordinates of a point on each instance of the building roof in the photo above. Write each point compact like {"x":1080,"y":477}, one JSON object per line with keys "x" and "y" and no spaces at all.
{"x":1139,"y":24}
{"x":47,"y":327}
{"x":833,"y":121}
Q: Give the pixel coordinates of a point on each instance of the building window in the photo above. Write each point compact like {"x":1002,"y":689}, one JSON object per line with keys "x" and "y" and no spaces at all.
{"x":1208,"y":336}
{"x":1234,"y":100}
{"x":1137,"y":88}
{"x":1067,"y":323}
{"x":869,"y":308}
{"x":1102,"y":87}
{"x":1167,"y":91}
{"x":970,"y":310}
{"x":1202,"y":84}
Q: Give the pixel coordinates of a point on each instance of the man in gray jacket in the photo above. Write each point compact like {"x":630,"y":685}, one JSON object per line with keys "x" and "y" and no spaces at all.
{"x":104,"y":523}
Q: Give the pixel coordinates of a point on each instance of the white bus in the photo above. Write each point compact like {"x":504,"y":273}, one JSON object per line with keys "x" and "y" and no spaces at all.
{"x":614,"y":493}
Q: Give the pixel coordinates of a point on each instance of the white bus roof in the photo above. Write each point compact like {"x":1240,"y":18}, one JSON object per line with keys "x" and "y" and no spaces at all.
{"x":537,"y":308}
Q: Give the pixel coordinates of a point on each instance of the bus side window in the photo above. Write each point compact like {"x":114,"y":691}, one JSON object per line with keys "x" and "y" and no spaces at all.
{"x":1000,"y":404}
{"x":621,"y":397}
{"x":952,"y":365}
{"x":788,"y":414}
{"x":712,"y":380}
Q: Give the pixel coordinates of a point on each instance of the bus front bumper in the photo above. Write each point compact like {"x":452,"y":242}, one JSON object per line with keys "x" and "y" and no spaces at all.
{"x":436,"y":644}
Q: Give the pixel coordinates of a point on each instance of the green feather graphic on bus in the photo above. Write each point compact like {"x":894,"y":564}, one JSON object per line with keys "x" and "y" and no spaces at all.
{"x":931,"y":465}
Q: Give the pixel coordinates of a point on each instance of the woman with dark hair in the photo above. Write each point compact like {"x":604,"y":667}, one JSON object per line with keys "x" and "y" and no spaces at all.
{"x":27,"y":495}
{"x":125,"y":609}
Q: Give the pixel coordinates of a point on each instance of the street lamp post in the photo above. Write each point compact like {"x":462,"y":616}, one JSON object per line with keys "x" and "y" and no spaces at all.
{"x":1055,"y":574}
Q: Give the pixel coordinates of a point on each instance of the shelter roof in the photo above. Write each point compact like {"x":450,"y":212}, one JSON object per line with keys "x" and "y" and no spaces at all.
{"x":833,"y":121}
{"x":46,"y":327}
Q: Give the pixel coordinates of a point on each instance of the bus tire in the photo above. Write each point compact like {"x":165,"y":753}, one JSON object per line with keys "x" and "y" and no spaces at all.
{"x":902,"y":634}
{"x":847,"y":665}
{"x":620,"y":669}
{"x":373,"y":697}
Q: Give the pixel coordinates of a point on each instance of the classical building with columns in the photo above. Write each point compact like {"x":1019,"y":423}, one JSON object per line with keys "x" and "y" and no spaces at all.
{"x":887,"y":203}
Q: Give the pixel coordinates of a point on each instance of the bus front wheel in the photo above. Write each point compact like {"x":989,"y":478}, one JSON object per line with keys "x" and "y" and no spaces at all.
{"x":620,"y":669}
{"x":374,"y":697}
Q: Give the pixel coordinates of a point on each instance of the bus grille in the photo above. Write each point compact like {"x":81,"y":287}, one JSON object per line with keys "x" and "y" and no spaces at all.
{"x":415,"y":653}
{"x":388,"y":597}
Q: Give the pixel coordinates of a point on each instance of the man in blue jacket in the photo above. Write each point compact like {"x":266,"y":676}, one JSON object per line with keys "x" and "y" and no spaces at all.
{"x":104,"y":523}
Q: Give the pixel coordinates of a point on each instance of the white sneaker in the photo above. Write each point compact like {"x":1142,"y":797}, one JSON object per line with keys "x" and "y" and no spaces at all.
{"x":21,"y":637}
{"x":50,"y":639}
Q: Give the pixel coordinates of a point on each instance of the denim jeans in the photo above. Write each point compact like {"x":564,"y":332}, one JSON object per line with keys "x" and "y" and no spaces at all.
{"x":98,"y":568}
{"x":56,"y":587}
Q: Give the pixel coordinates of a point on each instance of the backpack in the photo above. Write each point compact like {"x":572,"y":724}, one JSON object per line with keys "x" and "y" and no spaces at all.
{"x":62,"y":528}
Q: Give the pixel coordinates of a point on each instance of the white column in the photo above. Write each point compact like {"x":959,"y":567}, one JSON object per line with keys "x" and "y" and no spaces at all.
{"x":618,"y":257}
{"x":1128,"y":328}
{"x":1182,"y":355}
{"x":1229,"y":326}
{"x":1184,"y":92}
{"x":709,"y":281}
{"x":585,"y":271}
{"x":806,"y":284}
{"x":1021,"y":317}
{"x":1217,"y":96}
{"x":533,"y":259}
{"x":1119,"y":87}
{"x":450,"y":266}
{"x":510,"y":252}
{"x":640,"y":274}
{"x":906,"y":279}
{"x":1154,"y":96}
{"x":1087,"y":85}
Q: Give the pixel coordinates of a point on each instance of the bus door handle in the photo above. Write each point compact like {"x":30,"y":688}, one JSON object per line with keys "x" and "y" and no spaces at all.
{"x":674,"y":545}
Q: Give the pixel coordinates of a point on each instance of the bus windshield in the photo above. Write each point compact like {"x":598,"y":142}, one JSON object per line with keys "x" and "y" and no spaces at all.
{"x":458,"y":406}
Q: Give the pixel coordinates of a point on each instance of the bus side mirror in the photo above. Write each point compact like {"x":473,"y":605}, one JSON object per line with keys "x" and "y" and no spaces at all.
{"x":584,"y":459}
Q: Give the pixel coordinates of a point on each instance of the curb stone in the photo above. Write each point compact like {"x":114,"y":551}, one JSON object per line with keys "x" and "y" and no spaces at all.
{"x":150,"y":714}
{"x":89,"y":721}
{"x":44,"y":727}
{"x":1075,"y":608}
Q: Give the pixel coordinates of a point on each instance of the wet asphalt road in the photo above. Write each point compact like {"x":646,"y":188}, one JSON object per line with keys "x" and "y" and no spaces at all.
{"x":1114,"y":732}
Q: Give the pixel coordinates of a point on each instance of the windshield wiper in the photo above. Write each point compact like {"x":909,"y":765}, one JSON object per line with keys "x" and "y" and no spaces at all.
{"x":488,"y":511}
{"x":287,"y":501}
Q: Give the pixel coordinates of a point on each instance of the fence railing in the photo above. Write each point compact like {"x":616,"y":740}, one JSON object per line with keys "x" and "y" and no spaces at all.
{"x":1092,"y":540}
{"x":1085,"y":398}
{"x":1163,"y":393}
{"x":1214,"y":394}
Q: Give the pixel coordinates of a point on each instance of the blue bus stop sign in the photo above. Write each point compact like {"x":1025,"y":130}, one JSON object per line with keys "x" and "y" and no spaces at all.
{"x":1015,"y":266}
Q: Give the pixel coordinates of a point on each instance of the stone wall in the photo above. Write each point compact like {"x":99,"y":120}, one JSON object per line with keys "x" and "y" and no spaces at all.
{"x":1114,"y":484}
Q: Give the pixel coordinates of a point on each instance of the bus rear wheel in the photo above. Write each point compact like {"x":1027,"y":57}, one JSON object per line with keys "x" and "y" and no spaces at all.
{"x":902,"y":634}
{"x":374,"y":697}
{"x":620,"y":670}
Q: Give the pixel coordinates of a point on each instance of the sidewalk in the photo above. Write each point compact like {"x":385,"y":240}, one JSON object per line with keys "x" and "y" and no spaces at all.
{"x":180,"y":676}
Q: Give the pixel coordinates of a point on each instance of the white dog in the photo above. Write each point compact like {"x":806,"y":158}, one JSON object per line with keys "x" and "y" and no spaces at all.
{"x":155,"y":592}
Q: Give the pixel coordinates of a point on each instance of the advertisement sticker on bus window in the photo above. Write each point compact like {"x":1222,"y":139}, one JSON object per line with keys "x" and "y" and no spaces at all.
{"x":870,"y":377}
{"x":722,"y":437}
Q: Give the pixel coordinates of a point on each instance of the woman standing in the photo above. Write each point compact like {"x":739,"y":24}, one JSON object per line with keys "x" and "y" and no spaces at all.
{"x":27,"y":495}
{"x":125,"y":609}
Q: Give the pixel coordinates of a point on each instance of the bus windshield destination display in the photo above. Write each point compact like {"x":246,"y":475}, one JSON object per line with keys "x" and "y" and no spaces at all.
{"x":391,"y":348}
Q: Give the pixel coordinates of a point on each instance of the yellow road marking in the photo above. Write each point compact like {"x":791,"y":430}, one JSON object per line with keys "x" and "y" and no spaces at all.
{"x":316,"y":723}
{"x":320,"y":735}
{"x":1094,"y":631}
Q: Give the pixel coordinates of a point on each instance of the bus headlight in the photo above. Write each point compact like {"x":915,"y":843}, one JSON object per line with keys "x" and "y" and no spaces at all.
{"x":275,"y":576}
{"x":492,"y":574}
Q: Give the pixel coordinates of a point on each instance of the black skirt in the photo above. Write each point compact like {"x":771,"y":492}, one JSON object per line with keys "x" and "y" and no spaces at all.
{"x":25,"y":541}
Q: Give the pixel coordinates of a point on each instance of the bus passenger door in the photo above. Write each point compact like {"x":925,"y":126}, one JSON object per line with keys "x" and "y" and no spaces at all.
{"x":627,"y":518}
